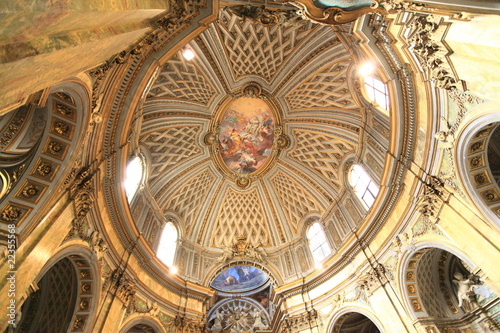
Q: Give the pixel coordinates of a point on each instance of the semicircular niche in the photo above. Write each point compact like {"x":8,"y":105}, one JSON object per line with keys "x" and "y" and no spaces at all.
{"x":239,"y":279}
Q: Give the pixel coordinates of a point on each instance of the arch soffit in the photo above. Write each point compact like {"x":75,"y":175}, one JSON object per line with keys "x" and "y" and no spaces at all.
{"x":307,"y":221}
{"x":404,"y":264}
{"x":229,"y":300}
{"x":54,"y":156}
{"x":476,"y":120}
{"x":137,"y":319}
{"x":358,"y":308}
{"x":89,"y":282}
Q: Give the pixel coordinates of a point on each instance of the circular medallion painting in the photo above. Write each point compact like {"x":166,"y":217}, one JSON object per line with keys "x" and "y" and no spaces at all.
{"x":246,"y":134}
{"x":239,"y":279}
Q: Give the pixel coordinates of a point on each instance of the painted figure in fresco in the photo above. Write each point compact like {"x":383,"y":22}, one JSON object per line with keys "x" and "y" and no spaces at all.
{"x":235,"y":142}
{"x":247,"y":160}
{"x":266,"y":135}
{"x":224,"y":144}
{"x":254,"y":125}
{"x":246,"y":273}
{"x":246,"y":134}
{"x":250,"y":146}
{"x":230,"y":280}
{"x":232,"y":276}
{"x":264,"y":301}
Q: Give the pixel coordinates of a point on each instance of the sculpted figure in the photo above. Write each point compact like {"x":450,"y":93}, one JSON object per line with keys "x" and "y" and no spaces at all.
{"x":463,"y":287}
{"x":217,"y":326}
{"x":247,"y":11}
{"x":154,"y":310}
{"x":258,"y":320}
{"x":445,"y":137}
{"x":227,"y":255}
{"x":467,"y":288}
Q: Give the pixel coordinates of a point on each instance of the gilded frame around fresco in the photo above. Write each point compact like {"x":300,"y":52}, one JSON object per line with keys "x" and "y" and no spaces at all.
{"x":280,"y":141}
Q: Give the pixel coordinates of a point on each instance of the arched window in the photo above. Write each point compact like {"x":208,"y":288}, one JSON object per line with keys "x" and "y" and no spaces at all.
{"x":377,"y":92}
{"x":317,"y":242}
{"x":364,"y":187}
{"x":133,"y":178}
{"x":168,"y":244}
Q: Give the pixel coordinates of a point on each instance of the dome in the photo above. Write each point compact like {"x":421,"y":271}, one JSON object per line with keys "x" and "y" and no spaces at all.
{"x":235,"y":167}
{"x":253,"y":147}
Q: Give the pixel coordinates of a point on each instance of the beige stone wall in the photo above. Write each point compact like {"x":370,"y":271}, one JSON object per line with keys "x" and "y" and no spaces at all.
{"x":44,"y":42}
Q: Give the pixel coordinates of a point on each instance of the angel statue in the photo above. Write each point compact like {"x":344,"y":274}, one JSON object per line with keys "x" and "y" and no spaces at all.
{"x":217,"y":326}
{"x":258,"y":324}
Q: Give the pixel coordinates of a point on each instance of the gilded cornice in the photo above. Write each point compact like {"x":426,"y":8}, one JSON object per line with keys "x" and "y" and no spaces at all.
{"x":377,"y":218}
{"x":128,"y":67}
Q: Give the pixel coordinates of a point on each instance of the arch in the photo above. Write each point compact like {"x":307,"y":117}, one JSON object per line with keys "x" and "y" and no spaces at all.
{"x":167,"y":247}
{"x":252,"y":313}
{"x":271,"y":272}
{"x":87,"y":287}
{"x":50,"y":308}
{"x":407,"y":261}
{"x":471,"y":158}
{"x":137,"y":319}
{"x":431,"y":288}
{"x":37,"y":167}
{"x":339,"y":317}
{"x":318,"y":243}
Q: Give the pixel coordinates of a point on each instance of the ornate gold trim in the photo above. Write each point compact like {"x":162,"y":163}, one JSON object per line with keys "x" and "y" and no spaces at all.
{"x":334,"y":15}
{"x":280,"y":141}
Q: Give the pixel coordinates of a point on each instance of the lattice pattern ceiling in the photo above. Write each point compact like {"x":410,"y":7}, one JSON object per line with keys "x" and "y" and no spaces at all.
{"x":254,"y":49}
{"x":181,"y":79}
{"x":324,"y":89}
{"x":171,"y":146}
{"x":295,"y":201}
{"x":187,"y":201}
{"x":241,"y":214}
{"x":186,"y":182}
{"x":320,"y":152}
{"x":57,"y":300}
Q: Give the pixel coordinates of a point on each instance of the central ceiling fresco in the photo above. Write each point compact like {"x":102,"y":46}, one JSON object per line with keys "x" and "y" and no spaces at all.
{"x":252,"y":137}
{"x":246,"y":134}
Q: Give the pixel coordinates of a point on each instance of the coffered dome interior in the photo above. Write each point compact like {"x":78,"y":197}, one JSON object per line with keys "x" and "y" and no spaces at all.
{"x":290,"y":95}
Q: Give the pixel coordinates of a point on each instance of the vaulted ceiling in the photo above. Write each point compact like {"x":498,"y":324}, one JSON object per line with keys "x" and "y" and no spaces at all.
{"x":305,"y":73}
